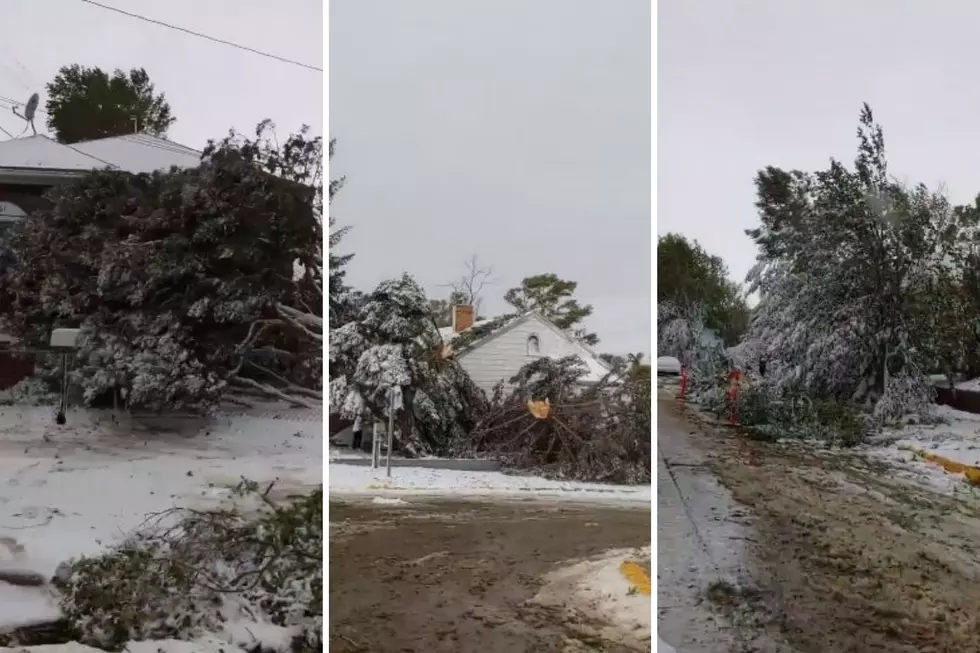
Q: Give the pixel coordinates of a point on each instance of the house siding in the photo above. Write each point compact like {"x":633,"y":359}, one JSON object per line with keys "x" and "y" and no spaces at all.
{"x":501,"y":357}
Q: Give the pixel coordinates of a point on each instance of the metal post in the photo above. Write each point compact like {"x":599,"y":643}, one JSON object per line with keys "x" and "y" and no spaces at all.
{"x":61,"y":418}
{"x":391,"y":430}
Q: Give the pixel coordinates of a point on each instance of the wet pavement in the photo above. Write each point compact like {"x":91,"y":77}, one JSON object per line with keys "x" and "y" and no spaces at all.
{"x":701,"y":543}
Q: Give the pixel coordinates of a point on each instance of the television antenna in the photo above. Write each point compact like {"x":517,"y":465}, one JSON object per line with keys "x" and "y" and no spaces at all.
{"x":29,"y":110}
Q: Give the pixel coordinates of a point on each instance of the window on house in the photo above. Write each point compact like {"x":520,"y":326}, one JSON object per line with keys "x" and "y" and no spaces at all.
{"x":10,"y":215}
{"x":533,"y":345}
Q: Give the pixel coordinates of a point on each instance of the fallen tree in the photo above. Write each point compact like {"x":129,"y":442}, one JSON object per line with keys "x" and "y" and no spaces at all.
{"x":550,"y":423}
{"x":189,"y":574}
{"x":187,"y":285}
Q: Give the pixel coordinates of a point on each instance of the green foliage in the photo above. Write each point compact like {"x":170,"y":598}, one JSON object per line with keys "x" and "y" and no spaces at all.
{"x":552,"y":297}
{"x":87,"y":103}
{"x":766,"y":414}
{"x":442,"y":309}
{"x":341,"y":301}
{"x":856,"y":270}
{"x":687,"y":275}
{"x":167,"y":273}
{"x":181,"y":576}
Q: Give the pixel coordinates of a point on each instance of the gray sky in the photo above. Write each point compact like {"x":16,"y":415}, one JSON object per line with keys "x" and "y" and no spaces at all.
{"x":749,"y":84}
{"x":517,"y":131}
{"x":210,"y":87}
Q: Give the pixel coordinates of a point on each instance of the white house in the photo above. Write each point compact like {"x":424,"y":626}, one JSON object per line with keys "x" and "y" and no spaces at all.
{"x":499,"y":355}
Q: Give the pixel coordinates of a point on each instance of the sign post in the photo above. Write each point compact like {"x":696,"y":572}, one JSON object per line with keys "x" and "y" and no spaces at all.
{"x":376,"y":444}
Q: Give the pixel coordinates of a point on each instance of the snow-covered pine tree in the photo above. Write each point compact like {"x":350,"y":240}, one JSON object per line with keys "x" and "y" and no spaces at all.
{"x":393,"y":342}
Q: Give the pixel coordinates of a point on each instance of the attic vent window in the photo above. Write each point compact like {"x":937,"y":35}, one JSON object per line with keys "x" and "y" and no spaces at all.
{"x":533,"y":345}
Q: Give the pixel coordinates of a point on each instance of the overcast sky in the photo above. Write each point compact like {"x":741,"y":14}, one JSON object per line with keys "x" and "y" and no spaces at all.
{"x":210,"y":87}
{"x":749,"y":84}
{"x":517,"y":131}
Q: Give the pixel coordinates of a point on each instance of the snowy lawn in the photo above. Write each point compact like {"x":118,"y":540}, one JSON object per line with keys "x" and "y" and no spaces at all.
{"x":355,"y":480}
{"x":73,"y":490}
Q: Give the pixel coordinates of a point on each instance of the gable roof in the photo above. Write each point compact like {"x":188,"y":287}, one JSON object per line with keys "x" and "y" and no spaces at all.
{"x":597,"y":367}
{"x":40,"y":159}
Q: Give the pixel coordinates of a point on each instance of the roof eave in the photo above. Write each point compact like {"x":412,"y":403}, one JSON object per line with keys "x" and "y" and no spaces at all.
{"x":39,"y":176}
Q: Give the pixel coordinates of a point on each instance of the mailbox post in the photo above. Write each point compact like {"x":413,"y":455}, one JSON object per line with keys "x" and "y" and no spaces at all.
{"x":64,"y":342}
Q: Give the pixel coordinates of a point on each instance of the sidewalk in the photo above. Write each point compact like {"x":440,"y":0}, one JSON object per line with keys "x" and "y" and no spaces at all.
{"x":701,"y":535}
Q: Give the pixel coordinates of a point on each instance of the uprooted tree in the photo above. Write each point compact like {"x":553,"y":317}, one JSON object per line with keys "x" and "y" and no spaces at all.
{"x":393,"y":343}
{"x":186,"y":284}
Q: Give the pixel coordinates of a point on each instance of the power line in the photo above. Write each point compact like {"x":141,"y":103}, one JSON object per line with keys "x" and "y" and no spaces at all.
{"x":203,"y":36}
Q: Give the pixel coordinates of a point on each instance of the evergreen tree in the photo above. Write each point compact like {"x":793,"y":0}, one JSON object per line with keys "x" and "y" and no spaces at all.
{"x":552,"y":297}
{"x":687,"y":275}
{"x":340,"y":295}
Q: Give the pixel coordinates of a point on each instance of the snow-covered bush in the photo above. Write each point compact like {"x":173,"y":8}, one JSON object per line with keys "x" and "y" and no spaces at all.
{"x":189,"y":573}
{"x":34,"y":391}
{"x":184,"y":282}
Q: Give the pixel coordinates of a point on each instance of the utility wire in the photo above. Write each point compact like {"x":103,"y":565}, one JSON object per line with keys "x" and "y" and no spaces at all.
{"x":203,"y":36}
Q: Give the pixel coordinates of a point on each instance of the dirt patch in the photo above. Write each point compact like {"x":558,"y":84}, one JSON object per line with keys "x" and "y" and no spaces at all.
{"x":852,"y":557}
{"x":462,"y":576}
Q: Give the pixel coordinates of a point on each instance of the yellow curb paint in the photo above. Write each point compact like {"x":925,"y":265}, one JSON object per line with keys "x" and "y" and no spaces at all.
{"x":972,"y":474}
{"x":637,"y":577}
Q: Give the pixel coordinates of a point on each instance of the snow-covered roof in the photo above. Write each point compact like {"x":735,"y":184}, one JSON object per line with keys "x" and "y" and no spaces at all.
{"x":132,"y":153}
{"x":42,"y":152}
{"x":140,"y":153}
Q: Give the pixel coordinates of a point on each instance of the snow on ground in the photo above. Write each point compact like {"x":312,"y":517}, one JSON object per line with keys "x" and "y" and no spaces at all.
{"x":356,"y":480}
{"x":956,"y":438}
{"x":73,"y":490}
{"x":972,"y":384}
{"x":210,"y":645}
{"x":598,"y":588}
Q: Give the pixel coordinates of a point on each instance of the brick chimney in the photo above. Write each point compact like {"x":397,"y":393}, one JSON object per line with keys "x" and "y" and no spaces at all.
{"x":462,"y":317}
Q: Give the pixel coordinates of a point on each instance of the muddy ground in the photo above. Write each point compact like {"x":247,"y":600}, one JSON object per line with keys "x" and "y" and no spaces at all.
{"x":457,"y":576}
{"x":850,"y":555}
